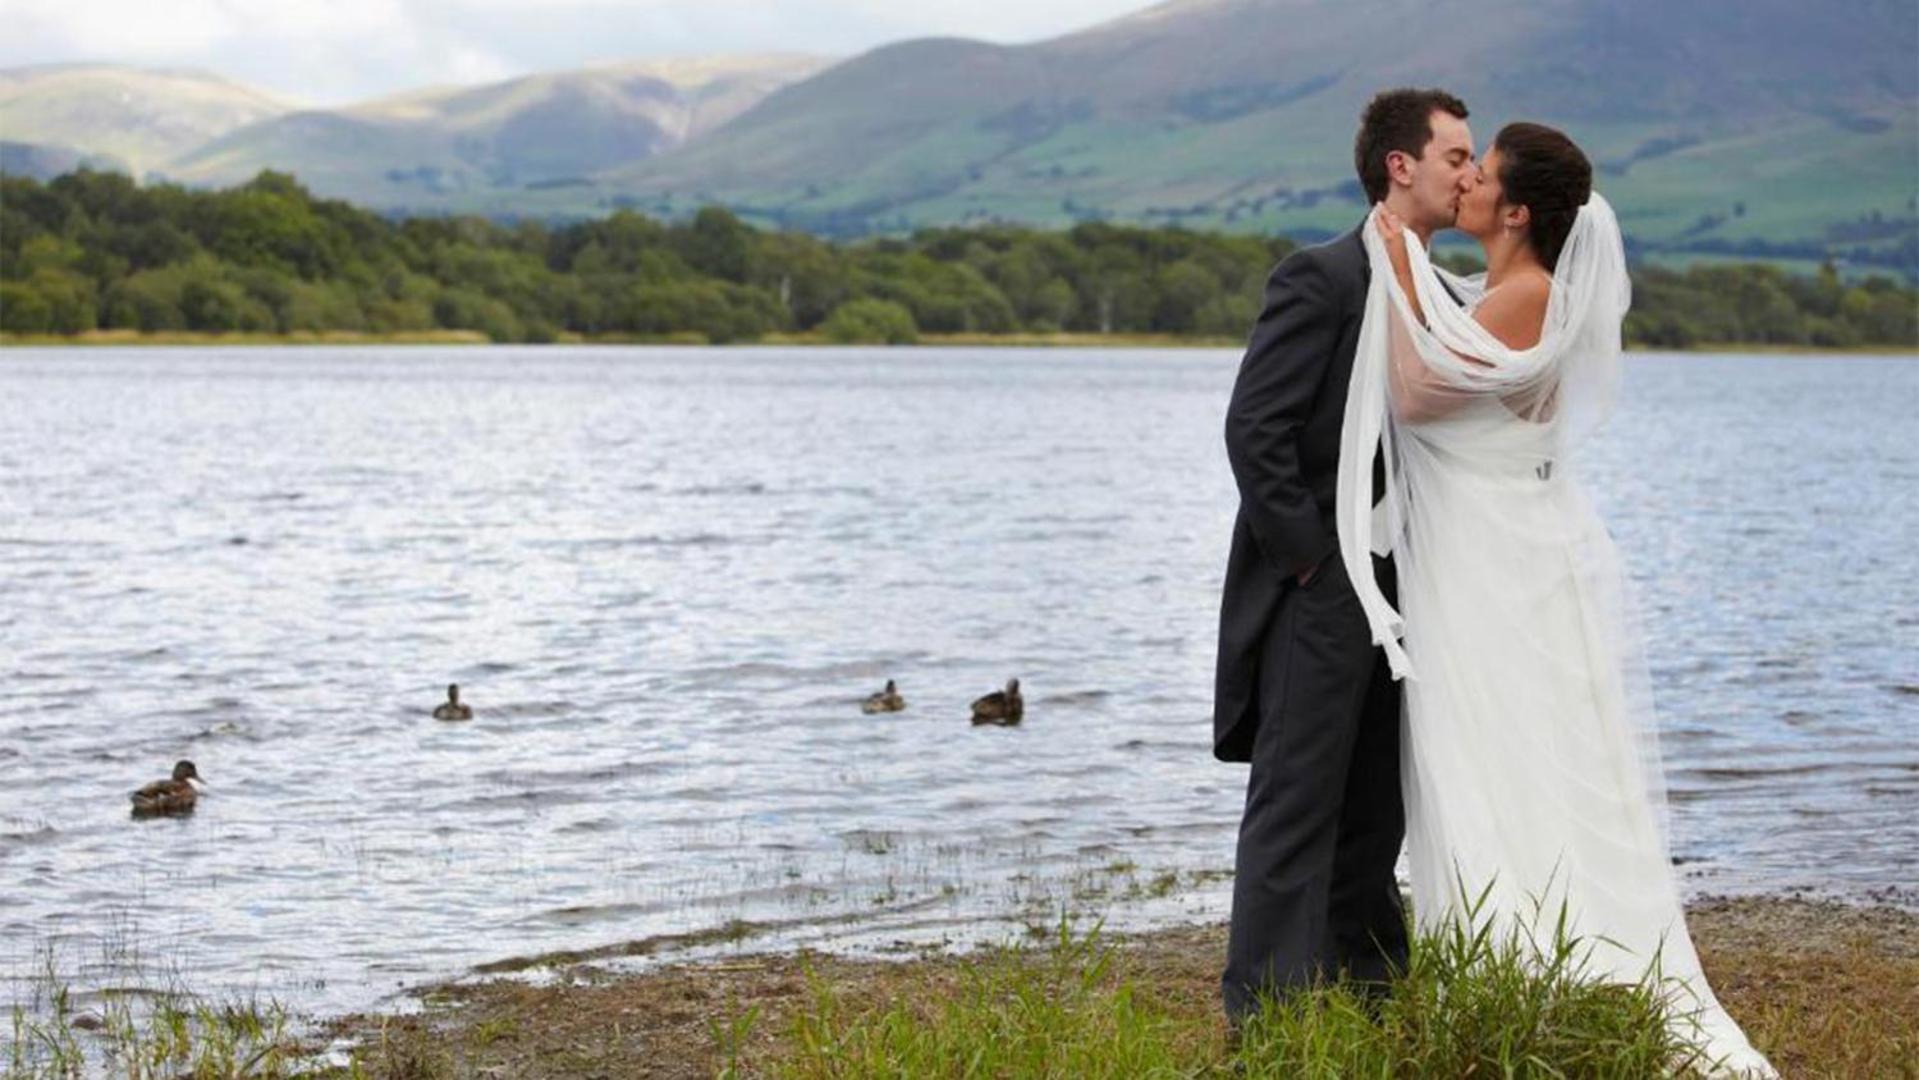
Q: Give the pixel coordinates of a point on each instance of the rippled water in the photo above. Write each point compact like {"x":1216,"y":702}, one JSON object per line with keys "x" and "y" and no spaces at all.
{"x":665,"y":578}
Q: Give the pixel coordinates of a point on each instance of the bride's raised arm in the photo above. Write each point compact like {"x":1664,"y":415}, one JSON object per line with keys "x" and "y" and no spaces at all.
{"x":1514,"y":314}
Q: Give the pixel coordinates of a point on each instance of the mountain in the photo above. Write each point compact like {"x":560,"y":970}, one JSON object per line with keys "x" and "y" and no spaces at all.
{"x":139,"y":117}
{"x":1753,"y":127}
{"x":545,"y":131}
{"x":43,"y":162}
{"x":1714,"y":121}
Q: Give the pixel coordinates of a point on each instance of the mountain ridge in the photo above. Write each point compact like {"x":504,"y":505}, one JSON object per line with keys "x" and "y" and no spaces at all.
{"x":1720,"y":125}
{"x":141,"y":116}
{"x":541,"y":128}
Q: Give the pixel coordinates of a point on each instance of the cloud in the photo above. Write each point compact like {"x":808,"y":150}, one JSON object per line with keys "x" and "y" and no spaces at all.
{"x":333,"y":51}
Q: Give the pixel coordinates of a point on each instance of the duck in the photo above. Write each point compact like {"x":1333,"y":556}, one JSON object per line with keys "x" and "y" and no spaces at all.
{"x":887,"y":700}
{"x":174,"y":796}
{"x":451,"y":709}
{"x":1002,"y":707}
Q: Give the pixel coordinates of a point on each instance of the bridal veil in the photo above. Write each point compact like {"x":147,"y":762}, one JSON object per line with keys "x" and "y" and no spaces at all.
{"x":1530,"y":760}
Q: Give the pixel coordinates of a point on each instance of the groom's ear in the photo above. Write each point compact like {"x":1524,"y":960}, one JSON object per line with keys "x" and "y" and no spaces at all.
{"x":1399,"y":168}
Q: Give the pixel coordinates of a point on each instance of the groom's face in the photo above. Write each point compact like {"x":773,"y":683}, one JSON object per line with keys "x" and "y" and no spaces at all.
{"x":1444,"y":172}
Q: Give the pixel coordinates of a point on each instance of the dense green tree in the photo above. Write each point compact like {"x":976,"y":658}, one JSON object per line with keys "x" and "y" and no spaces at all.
{"x":871,"y":322}
{"x":317,"y":306}
{"x":22,"y":311}
{"x":91,"y":249}
{"x":807,"y":276}
{"x":461,"y":308}
{"x":67,"y":297}
{"x":1183,"y":288}
{"x":148,"y":301}
{"x":151,"y":243}
{"x":399,"y":316}
{"x":716,"y":244}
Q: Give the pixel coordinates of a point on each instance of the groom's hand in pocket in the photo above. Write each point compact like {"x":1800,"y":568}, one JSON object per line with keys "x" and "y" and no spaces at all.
{"x":1307,"y":575}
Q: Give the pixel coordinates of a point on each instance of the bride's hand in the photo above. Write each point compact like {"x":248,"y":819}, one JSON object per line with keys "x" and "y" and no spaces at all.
{"x":1393,"y":231}
{"x":1391,"y":228}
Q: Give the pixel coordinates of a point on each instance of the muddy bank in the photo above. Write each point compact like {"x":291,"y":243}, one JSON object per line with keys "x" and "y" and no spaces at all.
{"x":1826,"y":989}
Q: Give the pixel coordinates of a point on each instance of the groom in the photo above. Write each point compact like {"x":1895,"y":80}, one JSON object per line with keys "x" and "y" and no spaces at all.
{"x":1301,"y":692}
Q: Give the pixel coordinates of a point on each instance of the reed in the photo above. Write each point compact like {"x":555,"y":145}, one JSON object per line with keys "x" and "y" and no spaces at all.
{"x":146,"y":1035}
{"x":173,"y":1038}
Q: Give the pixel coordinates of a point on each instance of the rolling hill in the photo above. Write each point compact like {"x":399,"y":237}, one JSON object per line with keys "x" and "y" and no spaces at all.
{"x":1756,"y":127}
{"x":44,"y":162}
{"x":1715,"y":120}
{"x":139,"y":117}
{"x":546,"y":131}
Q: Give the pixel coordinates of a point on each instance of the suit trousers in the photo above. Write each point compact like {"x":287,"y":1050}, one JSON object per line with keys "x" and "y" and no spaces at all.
{"x":1314,"y":897}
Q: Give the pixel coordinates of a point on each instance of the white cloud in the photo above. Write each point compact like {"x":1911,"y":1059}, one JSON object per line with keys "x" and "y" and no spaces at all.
{"x":331,"y":51}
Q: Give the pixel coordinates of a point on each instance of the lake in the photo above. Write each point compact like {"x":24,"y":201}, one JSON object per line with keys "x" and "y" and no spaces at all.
{"x":664,"y":579}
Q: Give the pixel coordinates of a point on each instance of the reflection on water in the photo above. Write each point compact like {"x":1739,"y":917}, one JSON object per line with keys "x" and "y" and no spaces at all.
{"x":665,"y":579}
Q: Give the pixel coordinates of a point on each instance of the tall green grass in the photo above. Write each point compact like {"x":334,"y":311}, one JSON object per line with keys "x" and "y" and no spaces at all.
{"x":167,"y":1034}
{"x":1018,"y":1013}
{"x":1475,"y":1000}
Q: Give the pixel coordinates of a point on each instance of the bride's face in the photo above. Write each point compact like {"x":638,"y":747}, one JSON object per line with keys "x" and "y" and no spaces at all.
{"x":1479,"y":206}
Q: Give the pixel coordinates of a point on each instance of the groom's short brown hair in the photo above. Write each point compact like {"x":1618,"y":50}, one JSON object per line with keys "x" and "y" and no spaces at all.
{"x":1397,"y":120}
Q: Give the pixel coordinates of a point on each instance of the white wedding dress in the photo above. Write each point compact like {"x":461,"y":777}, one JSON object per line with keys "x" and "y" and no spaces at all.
{"x":1529,"y":762}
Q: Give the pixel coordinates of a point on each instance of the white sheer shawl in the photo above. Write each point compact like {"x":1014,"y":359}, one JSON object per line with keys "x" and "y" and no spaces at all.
{"x":1566,"y":382}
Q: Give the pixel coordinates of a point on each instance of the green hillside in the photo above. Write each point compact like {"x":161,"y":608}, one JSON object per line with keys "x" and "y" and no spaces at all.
{"x":142,"y":118}
{"x":43,"y":162}
{"x":1720,"y":122}
{"x":1758,"y":129}
{"x":540,"y":132}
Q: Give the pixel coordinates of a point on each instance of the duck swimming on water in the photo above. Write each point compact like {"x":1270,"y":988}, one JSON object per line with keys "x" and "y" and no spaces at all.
{"x":1002,"y":707}
{"x":172,"y":796}
{"x":887,"y":700}
{"x":451,"y":709}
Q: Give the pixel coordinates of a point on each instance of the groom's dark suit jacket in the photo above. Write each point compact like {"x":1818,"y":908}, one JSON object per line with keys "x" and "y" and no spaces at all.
{"x":1282,"y":436}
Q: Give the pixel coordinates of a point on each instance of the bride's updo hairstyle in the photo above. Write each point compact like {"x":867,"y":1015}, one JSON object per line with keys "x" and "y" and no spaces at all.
{"x":1542,"y":170}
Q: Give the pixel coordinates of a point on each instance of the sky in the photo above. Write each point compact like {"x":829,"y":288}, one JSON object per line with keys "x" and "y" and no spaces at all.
{"x":327,"y":52}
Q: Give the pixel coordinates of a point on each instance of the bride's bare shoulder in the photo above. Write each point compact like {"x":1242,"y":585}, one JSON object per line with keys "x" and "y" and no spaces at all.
{"x":1515,"y":310}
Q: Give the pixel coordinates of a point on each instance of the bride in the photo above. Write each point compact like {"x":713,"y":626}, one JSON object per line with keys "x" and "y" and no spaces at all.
{"x":1530,"y":767}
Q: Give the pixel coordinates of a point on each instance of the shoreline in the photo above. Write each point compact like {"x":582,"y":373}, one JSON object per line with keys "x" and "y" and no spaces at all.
{"x":1823,"y":986}
{"x":123,"y":338}
{"x":1819,"y":985}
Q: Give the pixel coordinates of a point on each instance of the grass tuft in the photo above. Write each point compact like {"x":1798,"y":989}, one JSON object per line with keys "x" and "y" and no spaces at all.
{"x":1473,"y":1002}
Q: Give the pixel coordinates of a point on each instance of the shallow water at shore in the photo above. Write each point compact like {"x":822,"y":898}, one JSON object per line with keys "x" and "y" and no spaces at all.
{"x":664,"y":578}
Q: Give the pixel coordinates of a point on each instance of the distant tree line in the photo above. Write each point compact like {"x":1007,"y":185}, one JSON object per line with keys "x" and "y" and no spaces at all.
{"x":91,"y":250}
{"x":1763,"y":304}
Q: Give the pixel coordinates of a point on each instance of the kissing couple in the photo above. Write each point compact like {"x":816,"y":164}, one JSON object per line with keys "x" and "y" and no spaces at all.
{"x":1425,"y":634}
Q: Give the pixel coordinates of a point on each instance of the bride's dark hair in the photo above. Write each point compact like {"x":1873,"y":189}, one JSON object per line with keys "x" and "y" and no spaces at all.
{"x":1544,"y":171}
